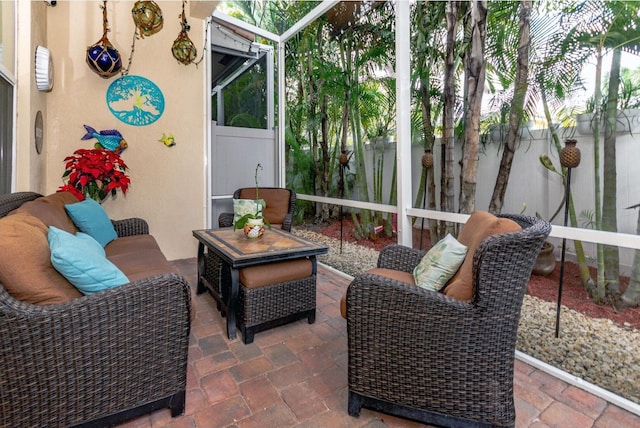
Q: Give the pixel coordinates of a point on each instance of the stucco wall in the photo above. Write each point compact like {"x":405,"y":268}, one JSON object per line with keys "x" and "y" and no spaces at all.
{"x":167,"y":184}
{"x":30,"y":167}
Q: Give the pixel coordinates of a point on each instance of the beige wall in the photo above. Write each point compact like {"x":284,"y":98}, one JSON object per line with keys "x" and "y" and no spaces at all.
{"x":31,"y":168}
{"x":167,"y":184}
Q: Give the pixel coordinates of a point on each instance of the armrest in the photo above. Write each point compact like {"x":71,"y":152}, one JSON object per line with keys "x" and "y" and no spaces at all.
{"x":113,"y":347}
{"x":287,"y":222}
{"x":399,"y":257}
{"x":130,"y":227}
{"x":225,"y":220}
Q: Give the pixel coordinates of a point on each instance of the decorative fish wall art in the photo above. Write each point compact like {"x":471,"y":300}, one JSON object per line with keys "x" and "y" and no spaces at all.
{"x":109,"y":139}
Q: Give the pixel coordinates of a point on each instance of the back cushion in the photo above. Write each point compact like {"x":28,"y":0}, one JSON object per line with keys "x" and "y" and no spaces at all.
{"x":277,"y":201}
{"x":479,"y":226}
{"x":50,"y":210}
{"x":26,"y":271}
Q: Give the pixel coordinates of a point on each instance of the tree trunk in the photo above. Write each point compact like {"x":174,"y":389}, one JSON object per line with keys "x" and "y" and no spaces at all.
{"x":609,"y":185}
{"x":325,"y":157}
{"x":599,"y":291}
{"x":447,"y":180}
{"x":517,"y":105}
{"x":474,"y":72}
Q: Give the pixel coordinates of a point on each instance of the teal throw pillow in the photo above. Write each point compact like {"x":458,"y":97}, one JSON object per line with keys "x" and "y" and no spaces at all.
{"x":81,"y":260}
{"x":89,"y":217}
{"x":440,"y":263}
{"x":242,"y":207}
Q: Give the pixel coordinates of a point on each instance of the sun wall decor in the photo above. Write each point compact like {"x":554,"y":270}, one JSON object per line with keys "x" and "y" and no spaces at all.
{"x":135,"y":100}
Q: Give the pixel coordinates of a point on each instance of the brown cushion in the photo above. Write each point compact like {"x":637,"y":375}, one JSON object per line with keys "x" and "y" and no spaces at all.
{"x":130,"y":245}
{"x":50,"y":210}
{"x":277,"y":201}
{"x":406,"y":277}
{"x":138,"y":257}
{"x":479,"y":226}
{"x":275,"y":273}
{"x":25,"y":262}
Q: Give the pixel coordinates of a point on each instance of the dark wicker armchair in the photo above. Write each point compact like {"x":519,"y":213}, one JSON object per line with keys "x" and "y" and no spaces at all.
{"x":96,"y":360}
{"x":280,"y":205}
{"x":422,"y":355}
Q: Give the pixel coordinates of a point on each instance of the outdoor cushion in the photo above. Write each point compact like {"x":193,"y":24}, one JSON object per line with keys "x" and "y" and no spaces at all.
{"x":81,"y":260}
{"x":275,"y":273}
{"x":278,"y":205}
{"x":398,"y":275}
{"x":440,"y":263}
{"x":26,"y":271}
{"x":50,"y":209}
{"x":91,"y":218}
{"x":479,"y":226}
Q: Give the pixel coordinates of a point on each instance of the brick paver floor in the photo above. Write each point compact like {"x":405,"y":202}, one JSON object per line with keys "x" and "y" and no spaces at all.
{"x":296,"y":376}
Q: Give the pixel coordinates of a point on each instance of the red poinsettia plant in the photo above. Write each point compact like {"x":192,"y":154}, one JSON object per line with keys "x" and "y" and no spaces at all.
{"x":96,"y":173}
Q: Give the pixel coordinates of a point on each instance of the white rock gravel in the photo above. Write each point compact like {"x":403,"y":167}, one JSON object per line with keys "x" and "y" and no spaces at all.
{"x":596,"y":350}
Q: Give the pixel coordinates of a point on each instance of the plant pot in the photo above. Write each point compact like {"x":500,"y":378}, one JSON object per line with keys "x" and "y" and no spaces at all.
{"x":546,"y":261}
{"x":254,"y":228}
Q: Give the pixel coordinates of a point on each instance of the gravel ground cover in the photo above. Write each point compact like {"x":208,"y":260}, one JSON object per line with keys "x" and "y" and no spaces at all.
{"x":596,"y":350}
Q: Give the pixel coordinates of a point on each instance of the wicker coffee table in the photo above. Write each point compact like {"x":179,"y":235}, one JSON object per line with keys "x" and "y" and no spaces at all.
{"x":236,"y":252}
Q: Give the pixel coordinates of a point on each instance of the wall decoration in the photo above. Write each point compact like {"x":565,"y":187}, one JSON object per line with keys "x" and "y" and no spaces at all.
{"x":44,"y":69}
{"x":147,"y":16}
{"x":168,"y":140}
{"x":38,"y":132}
{"x":102,"y":57}
{"x":109,"y":139}
{"x":183,"y":48}
{"x":135,"y":100}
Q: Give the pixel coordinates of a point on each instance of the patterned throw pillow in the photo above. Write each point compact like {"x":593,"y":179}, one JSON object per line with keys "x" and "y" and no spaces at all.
{"x":243,"y":207}
{"x":440,"y":263}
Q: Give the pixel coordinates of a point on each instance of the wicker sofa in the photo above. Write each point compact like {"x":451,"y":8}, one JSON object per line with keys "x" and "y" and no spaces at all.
{"x":427,"y":356}
{"x":92,"y":360}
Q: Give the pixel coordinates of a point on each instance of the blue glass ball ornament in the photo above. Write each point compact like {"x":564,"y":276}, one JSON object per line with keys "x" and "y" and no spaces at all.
{"x":104,"y":59}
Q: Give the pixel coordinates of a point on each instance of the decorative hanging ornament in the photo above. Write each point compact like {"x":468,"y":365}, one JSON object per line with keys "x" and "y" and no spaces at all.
{"x":427,"y":159}
{"x":183,"y":48}
{"x":147,"y":16}
{"x":570,"y":154}
{"x":102,"y":57}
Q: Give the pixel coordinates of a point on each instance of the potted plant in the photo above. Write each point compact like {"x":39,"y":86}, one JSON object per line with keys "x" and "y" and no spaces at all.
{"x":94,"y":173}
{"x":253,"y":222}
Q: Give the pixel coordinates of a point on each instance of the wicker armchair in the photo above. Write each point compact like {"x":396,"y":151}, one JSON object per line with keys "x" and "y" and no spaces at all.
{"x":280,"y":205}
{"x":421,"y":355}
{"x":286,"y":203}
{"x":96,"y":360}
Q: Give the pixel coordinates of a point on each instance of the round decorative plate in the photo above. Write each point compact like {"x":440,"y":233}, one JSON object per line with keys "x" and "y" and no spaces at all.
{"x":38,"y":132}
{"x":135,"y":100}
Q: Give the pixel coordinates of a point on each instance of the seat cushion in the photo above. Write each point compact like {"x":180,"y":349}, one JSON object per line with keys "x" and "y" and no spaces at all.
{"x":277,"y":201}
{"x":26,"y":271}
{"x":50,"y":209}
{"x":479,"y":226}
{"x":275,"y":273}
{"x":138,"y":257}
{"x":406,"y":277}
